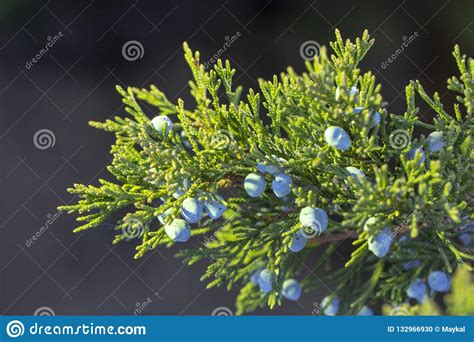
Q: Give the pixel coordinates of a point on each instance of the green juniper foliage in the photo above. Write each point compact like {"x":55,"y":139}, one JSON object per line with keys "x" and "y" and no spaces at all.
{"x":459,"y":302}
{"x":404,"y":199}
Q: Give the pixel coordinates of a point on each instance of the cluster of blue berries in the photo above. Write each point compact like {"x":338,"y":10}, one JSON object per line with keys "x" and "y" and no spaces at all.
{"x":438,"y":281}
{"x":192,"y":210}
{"x":264,"y":278}
{"x":314,"y":220}
{"x":255,"y":183}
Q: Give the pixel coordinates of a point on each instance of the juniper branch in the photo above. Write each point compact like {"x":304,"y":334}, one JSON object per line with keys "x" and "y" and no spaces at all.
{"x":325,"y":140}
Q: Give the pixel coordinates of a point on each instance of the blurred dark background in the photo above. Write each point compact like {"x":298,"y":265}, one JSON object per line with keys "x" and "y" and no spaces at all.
{"x":73,"y":82}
